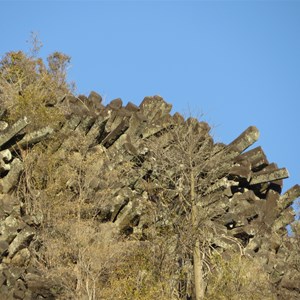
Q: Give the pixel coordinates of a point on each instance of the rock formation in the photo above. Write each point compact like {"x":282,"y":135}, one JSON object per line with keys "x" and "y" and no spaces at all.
{"x":250,"y":212}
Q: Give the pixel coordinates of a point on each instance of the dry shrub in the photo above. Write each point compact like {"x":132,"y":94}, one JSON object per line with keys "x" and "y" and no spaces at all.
{"x":89,"y":259}
{"x":82,"y":255}
{"x":92,"y":261}
{"x":144,"y":273}
{"x":31,"y":88}
{"x":240,"y":277}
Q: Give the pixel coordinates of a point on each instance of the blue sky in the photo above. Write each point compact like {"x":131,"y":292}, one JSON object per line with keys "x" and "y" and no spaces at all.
{"x":237,"y":62}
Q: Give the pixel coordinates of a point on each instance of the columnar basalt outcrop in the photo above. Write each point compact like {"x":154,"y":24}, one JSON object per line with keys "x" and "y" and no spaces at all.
{"x":250,"y":210}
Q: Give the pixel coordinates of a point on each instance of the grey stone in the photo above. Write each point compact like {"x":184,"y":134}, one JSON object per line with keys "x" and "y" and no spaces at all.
{"x":155,"y":107}
{"x":3,"y":125}
{"x":86,"y":124}
{"x":8,"y":203}
{"x":6,"y":155}
{"x":19,"y":294}
{"x":21,"y":241}
{"x":95,"y":100}
{"x":131,"y":211}
{"x":10,"y":227}
{"x":246,"y":139}
{"x":2,"y":279}
{"x":4,"y":167}
{"x":115,"y":104}
{"x":116,"y":133}
{"x":267,"y":176}
{"x":271,"y":209}
{"x":12,"y":130}
{"x":6,"y":293}
{"x":3,"y":247}
{"x":21,"y":257}
{"x":9,"y":182}
{"x":242,"y":171}
{"x":178,"y":118}
{"x":12,"y":274}
{"x":132,"y":107}
{"x":289,"y":196}
{"x":286,"y":218}
{"x":256,"y":157}
{"x":34,"y":137}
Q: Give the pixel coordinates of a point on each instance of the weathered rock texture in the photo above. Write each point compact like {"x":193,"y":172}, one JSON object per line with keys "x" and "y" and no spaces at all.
{"x":252,"y":210}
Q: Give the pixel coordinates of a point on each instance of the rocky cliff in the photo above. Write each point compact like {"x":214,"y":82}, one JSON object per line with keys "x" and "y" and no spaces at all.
{"x":247,"y":210}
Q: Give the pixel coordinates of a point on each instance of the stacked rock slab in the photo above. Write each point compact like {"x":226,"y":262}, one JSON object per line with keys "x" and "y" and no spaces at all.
{"x":17,"y":230}
{"x":253,"y":211}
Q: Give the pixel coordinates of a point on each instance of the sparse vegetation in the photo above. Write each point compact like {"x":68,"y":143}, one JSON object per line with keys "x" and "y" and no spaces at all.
{"x":129,"y":203}
{"x":31,"y":88}
{"x":239,"y":277}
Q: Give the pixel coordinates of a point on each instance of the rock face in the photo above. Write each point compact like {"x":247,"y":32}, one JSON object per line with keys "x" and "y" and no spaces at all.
{"x":252,"y":210}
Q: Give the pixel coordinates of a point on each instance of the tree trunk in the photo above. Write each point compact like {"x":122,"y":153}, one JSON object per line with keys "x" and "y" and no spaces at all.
{"x":198,"y":272}
{"x":197,"y":259}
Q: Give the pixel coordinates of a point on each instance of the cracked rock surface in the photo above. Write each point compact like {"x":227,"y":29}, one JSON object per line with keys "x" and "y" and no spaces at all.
{"x":250,"y":210}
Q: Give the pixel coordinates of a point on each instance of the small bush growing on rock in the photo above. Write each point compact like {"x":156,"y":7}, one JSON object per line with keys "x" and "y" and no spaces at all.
{"x":234,"y":279}
{"x":28,"y":87}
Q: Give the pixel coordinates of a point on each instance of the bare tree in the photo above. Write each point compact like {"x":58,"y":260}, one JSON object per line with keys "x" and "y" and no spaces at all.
{"x":186,"y":166}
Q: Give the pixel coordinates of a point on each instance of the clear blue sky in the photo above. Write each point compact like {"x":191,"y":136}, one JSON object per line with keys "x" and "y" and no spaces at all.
{"x":238,"y":62}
